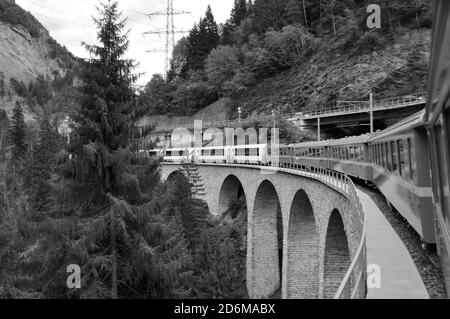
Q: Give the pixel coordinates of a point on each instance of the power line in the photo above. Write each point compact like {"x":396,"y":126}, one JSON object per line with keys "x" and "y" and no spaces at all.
{"x":130,"y":8}
{"x":65,"y":20}
{"x":169,"y":31}
{"x":56,"y":10}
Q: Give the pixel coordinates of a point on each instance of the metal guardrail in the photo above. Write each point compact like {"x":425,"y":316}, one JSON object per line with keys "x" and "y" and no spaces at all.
{"x":353,"y":286}
{"x":351,"y":107}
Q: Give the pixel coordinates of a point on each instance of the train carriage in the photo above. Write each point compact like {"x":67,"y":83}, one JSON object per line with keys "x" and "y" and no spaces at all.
{"x":307,"y":155}
{"x":437,"y":119}
{"x":351,"y":156}
{"x":396,"y":154}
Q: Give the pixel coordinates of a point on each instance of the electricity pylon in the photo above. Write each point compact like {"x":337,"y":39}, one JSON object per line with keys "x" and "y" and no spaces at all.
{"x":169,"y":31}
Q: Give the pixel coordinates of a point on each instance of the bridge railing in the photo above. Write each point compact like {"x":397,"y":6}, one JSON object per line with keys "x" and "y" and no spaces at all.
{"x":353,"y":285}
{"x":343,"y":107}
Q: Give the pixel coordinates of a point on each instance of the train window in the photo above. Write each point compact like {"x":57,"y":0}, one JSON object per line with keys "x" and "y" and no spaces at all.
{"x":372,"y":155}
{"x":443,"y":180}
{"x":377,"y":157}
{"x":446,"y":148}
{"x":359,"y":154}
{"x":394,"y":157}
{"x":412,"y":157}
{"x":380,"y":147}
{"x":375,"y":154}
{"x":377,"y":149}
{"x":404,"y":160}
{"x":385,"y":155}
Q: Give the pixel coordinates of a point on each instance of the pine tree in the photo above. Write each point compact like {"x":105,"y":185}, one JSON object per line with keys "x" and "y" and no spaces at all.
{"x":184,"y":195}
{"x":269,"y":14}
{"x":41,"y":166}
{"x":239,"y":12}
{"x":2,"y":85}
{"x":101,"y":135}
{"x":196,"y":187}
{"x":4,"y":202}
{"x":295,"y":12}
{"x":17,"y":136}
{"x":201,"y":40}
{"x":119,"y":237}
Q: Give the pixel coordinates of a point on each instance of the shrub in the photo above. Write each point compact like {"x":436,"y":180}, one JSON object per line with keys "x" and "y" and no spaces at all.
{"x":221,"y":66}
{"x":19,"y":87}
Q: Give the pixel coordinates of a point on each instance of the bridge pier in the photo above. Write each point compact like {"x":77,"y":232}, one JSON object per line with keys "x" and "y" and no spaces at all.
{"x":263,"y":259}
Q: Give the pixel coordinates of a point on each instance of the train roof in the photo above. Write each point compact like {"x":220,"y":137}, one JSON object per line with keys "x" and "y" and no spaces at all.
{"x":412,"y":122}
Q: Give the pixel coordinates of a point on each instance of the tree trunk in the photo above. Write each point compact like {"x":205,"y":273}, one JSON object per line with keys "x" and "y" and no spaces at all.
{"x":304,"y":13}
{"x":320,"y":17}
{"x":5,"y":190}
{"x":332,"y":19}
{"x":114,"y":289}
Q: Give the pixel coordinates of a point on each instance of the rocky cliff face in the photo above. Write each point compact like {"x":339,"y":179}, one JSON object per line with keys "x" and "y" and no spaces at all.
{"x":26,"y":51}
{"x":23,"y":57}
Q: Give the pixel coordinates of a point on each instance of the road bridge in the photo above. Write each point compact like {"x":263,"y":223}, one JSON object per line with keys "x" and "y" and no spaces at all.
{"x":360,"y":113}
{"x":346,"y":114}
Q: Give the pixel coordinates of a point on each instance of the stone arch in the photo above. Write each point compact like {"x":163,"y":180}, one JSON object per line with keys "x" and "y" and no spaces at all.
{"x":265,"y":261}
{"x":230,"y":191}
{"x":176,"y":175}
{"x":303,"y":251}
{"x":337,"y":255}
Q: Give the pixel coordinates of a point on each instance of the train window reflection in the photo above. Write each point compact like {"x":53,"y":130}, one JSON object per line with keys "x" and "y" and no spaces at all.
{"x":394,"y":157}
{"x":443,"y":171}
{"x":446,"y":147}
{"x":359,"y":154}
{"x":377,"y":152}
{"x":412,"y":157}
{"x":404,"y":160}
{"x":387,"y":156}
{"x":380,"y":155}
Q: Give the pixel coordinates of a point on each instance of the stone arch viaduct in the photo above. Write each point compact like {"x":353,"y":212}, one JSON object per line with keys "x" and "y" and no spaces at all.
{"x":317,"y":224}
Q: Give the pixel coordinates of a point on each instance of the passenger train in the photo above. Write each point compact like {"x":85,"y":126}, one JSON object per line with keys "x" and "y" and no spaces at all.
{"x":408,"y":162}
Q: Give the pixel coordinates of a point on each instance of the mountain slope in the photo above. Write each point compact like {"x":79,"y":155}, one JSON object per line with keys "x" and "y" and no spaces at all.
{"x":28,"y":52}
{"x":398,"y":69}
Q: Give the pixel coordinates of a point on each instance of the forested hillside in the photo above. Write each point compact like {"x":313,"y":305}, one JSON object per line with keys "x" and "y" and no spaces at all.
{"x":294,"y":54}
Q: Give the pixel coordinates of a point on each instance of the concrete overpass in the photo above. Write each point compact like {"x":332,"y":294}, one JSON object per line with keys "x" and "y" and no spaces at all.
{"x":368,"y":115}
{"x":318,"y":216}
{"x":372,"y":114}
